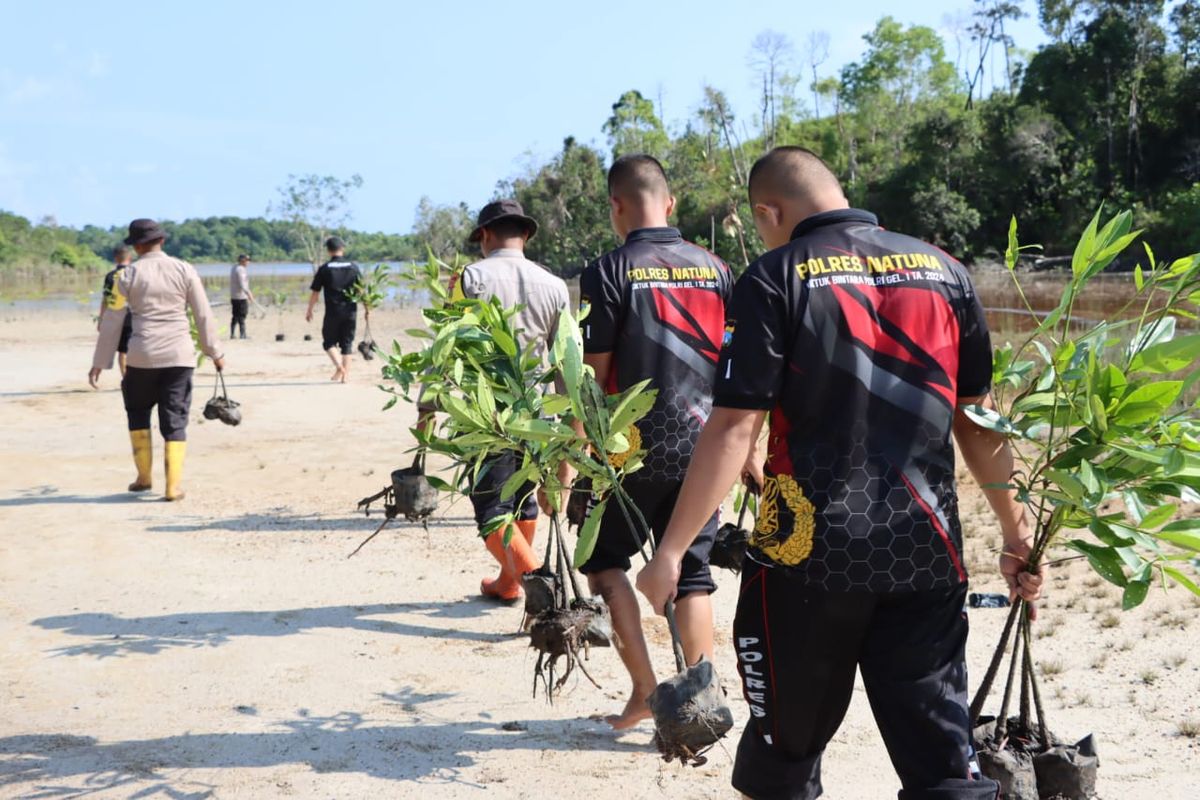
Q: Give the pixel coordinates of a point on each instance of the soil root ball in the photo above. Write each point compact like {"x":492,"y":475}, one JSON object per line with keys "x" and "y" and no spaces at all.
{"x":416,"y":498}
{"x":599,"y":632}
{"x":367,"y":349}
{"x":1026,"y":769}
{"x":690,"y":714}
{"x":541,"y":587}
{"x":1068,"y":771}
{"x":556,"y":635}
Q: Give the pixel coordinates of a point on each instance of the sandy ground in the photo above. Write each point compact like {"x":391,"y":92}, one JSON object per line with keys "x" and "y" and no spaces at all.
{"x":225,"y":647}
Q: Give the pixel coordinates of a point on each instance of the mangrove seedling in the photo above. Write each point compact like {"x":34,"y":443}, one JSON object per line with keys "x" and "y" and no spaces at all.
{"x":1096,"y":412}
{"x":369,"y":291}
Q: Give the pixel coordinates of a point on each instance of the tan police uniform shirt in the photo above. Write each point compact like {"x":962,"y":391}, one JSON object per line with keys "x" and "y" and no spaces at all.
{"x":239,"y":283}
{"x":159,"y":290}
{"x":516,"y":281}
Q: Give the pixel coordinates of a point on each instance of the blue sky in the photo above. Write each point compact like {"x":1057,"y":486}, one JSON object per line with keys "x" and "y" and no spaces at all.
{"x":112,"y":110}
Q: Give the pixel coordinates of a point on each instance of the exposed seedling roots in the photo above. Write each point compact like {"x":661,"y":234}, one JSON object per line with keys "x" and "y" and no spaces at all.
{"x":559,"y":635}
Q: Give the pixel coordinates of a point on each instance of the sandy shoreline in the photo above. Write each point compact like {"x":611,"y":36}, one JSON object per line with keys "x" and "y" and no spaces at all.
{"x":226,"y":647}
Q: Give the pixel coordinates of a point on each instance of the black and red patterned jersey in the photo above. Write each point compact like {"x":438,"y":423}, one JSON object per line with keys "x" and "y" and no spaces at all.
{"x":859,"y":342}
{"x":657,"y":303}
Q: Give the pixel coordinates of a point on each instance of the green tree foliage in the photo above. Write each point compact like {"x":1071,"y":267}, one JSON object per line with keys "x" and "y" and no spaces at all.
{"x":569,"y":199}
{"x":634,"y":127}
{"x":214,"y":239}
{"x":24,"y":244}
{"x":314,"y":206}
{"x":443,"y":229}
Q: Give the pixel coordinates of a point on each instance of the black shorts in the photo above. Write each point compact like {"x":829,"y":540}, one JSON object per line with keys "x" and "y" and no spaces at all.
{"x":126,"y":332}
{"x":338,"y":331}
{"x":616,"y":545}
{"x":798,"y":648}
{"x":169,"y":388}
{"x":240,"y":309}
{"x":485,"y":493}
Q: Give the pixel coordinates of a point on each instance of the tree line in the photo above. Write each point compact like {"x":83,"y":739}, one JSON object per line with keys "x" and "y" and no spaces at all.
{"x":213,"y":239}
{"x":948,"y":149}
{"x":944,"y":147}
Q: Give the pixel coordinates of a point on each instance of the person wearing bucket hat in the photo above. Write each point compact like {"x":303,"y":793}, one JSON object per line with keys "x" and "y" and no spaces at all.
{"x":864,"y":348}
{"x":159,"y":292}
{"x":334,"y":278}
{"x":502,"y":231}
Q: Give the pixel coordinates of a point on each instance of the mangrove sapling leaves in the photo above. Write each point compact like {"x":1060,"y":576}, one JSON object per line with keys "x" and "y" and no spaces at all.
{"x":1179,"y":538}
{"x":1158,"y":517}
{"x":1147,"y":403}
{"x":1104,"y":560}
{"x":585,"y":545}
{"x":1167,"y":357}
{"x":988,"y":418}
{"x":1135,"y":593}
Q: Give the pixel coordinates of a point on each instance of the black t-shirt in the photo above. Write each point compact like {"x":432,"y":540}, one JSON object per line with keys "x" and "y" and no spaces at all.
{"x":657,"y":303}
{"x":113,"y":299}
{"x":334,"y":277}
{"x":860,"y":342}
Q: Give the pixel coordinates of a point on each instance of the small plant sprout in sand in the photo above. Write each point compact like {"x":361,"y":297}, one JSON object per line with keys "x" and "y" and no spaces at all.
{"x":1098,"y":412}
{"x":370,"y":291}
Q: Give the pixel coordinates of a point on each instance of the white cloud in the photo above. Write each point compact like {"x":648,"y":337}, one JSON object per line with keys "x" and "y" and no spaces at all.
{"x":23,"y":89}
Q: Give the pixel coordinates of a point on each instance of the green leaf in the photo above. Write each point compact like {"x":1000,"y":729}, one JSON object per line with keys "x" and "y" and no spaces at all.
{"x":439,"y":484}
{"x":1147,"y":403}
{"x":1104,"y":560}
{"x":1135,"y":593}
{"x":1168,"y":356}
{"x":1183,"y":580}
{"x":1085,"y":247}
{"x":1013,"y":250}
{"x":1158,"y":517}
{"x":504,"y":342}
{"x":588,"y":533}
{"x":1160,"y":331}
{"x":1188,"y":541}
{"x":991,"y":420}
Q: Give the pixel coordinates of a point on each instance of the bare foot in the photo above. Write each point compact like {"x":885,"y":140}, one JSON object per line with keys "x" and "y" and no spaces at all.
{"x":636,"y":710}
{"x":345,"y":376}
{"x":338,"y":376}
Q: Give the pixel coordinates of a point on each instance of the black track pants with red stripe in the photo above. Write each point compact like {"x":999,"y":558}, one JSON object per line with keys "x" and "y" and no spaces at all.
{"x":798,"y":648}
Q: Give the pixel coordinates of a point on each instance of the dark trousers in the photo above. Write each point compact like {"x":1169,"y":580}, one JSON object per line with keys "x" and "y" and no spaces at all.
{"x":240,"y":309}
{"x":798,"y":650}
{"x":169,"y":388}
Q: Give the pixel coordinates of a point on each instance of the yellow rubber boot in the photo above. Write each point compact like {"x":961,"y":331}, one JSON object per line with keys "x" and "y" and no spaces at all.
{"x":174,"y":463}
{"x":143,"y":459}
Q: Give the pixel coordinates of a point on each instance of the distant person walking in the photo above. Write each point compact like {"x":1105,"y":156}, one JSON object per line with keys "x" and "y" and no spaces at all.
{"x":112,"y":299}
{"x":333,"y":278}
{"x":240,"y":296}
{"x":158,"y":290}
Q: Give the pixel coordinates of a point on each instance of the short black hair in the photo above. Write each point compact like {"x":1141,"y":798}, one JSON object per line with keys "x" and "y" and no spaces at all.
{"x":334,"y":243}
{"x":243,"y":257}
{"x":637,"y":173}
{"x":791,"y":169}
{"x":508,"y":227}
{"x":121,"y":251}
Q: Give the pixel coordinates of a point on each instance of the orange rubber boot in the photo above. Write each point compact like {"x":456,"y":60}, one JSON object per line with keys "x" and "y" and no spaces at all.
{"x":515,"y":560}
{"x":528,"y":529}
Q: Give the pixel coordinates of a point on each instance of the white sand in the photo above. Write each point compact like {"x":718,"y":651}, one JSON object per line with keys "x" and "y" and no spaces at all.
{"x":225,"y":647}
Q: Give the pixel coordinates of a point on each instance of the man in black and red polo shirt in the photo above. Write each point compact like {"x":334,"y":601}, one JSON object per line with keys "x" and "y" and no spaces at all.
{"x":656,"y":310}
{"x":862,"y":345}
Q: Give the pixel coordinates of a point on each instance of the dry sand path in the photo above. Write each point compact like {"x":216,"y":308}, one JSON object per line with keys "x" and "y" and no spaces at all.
{"x":226,"y":648}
